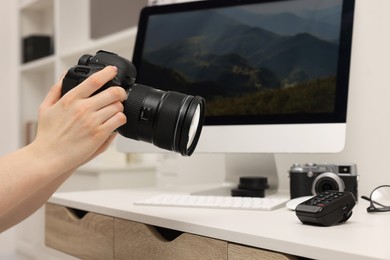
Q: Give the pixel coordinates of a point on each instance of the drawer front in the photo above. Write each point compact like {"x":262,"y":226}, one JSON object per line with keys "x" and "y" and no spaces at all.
{"x":134,"y":240}
{"x":82,"y":234}
{"x":240,"y":252}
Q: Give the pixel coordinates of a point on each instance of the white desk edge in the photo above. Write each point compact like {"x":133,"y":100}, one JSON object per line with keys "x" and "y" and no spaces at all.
{"x":363,"y":236}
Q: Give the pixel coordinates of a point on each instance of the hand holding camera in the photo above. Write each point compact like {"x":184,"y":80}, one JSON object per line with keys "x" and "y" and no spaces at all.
{"x":167,"y":119}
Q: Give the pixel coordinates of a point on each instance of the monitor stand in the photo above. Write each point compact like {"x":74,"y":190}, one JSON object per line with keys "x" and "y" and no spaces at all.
{"x":238,"y":165}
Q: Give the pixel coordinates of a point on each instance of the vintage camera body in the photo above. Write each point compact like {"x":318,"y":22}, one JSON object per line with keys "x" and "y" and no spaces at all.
{"x":312,"y":179}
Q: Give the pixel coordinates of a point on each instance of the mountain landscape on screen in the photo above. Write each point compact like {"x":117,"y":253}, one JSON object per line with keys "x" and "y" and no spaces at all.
{"x":274,"y":63}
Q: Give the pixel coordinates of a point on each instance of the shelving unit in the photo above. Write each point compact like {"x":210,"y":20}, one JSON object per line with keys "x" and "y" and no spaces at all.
{"x":68,"y":24}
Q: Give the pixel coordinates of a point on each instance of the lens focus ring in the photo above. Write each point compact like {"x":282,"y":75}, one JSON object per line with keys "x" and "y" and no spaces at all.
{"x":132,"y":109}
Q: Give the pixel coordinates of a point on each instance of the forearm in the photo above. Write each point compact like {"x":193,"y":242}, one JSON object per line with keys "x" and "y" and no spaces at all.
{"x":28,"y":183}
{"x":71,"y":130}
{"x":24,"y":173}
{"x":32,"y":203}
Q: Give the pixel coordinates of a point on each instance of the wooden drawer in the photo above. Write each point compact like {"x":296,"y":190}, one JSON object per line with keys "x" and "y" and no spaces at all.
{"x":82,"y":234}
{"x":134,"y":240}
{"x":240,"y":252}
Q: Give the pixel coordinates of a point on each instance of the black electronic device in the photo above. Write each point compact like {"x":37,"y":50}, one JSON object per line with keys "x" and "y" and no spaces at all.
{"x":251,"y":186}
{"x":326,"y":209}
{"x":36,"y":46}
{"x":168,"y":119}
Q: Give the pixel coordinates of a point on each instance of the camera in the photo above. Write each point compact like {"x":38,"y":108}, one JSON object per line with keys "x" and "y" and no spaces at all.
{"x":169,"y":120}
{"x":312,"y":179}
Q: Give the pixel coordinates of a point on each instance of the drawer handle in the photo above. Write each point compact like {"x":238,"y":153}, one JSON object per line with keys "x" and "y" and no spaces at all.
{"x":77,"y":213}
{"x":167,"y":234}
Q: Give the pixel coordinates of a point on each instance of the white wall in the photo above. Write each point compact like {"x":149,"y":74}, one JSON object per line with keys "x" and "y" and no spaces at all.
{"x":8,"y":99}
{"x":9,"y":113}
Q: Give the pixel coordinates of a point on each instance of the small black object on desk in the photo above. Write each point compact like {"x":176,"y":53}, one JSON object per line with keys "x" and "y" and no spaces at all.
{"x":251,"y":187}
{"x":327,"y":208}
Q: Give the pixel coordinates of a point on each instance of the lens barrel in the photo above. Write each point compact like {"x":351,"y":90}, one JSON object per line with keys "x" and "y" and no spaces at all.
{"x":163,"y":118}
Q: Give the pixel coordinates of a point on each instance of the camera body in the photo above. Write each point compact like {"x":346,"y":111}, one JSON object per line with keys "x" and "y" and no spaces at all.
{"x":169,"y":120}
{"x":125,"y":77}
{"x":312,"y":179}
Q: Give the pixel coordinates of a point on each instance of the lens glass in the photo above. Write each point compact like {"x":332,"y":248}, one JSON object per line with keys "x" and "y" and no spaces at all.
{"x":381,"y":197}
{"x":328,"y":186}
{"x":194,"y":126}
{"x":325,"y":184}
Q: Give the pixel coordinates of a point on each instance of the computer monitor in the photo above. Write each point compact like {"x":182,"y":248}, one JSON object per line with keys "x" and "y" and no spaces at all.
{"x":274,"y":73}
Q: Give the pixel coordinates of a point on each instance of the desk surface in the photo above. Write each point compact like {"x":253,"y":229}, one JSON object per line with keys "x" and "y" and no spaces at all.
{"x":363,"y":236}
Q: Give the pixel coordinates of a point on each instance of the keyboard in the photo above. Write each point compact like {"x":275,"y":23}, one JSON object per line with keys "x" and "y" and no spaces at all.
{"x":215,"y":202}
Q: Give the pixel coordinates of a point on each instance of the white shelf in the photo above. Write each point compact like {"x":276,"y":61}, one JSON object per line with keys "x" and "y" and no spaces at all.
{"x":70,"y":30}
{"x":39,"y":66}
{"x":121,"y":43}
{"x":68,"y":23}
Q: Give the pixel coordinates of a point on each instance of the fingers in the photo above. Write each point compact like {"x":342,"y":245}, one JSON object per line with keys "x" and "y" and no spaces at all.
{"x":102,"y":112}
{"x":107,"y":97}
{"x":53,"y":95}
{"x":112,"y":123}
{"x":102,"y":115}
{"x":93,"y":83}
{"x":101,"y":107}
{"x":89,"y":86}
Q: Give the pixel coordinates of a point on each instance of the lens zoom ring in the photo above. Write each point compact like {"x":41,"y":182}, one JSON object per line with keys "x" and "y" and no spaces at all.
{"x":132,"y":109}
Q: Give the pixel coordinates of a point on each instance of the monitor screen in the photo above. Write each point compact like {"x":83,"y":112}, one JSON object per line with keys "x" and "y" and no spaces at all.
{"x":274,"y":73}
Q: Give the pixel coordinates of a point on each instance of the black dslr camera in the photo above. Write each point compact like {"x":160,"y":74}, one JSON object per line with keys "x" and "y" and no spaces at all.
{"x":313,"y":179}
{"x":167,"y":119}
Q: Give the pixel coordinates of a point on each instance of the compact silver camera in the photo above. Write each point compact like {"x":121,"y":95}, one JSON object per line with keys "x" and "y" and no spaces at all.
{"x":311,"y":179}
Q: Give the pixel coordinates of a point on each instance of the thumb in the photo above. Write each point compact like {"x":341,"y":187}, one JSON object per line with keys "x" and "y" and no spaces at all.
{"x":54,"y":94}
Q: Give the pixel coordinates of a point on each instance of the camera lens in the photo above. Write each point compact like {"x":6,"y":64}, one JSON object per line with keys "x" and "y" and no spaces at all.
{"x":167,"y":119}
{"x":327,"y":181}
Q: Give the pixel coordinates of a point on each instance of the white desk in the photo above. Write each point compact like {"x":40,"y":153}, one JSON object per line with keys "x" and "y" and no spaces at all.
{"x":363,"y":236}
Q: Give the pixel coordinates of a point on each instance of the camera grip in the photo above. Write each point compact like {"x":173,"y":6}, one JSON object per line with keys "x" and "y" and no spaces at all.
{"x":78,"y":74}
